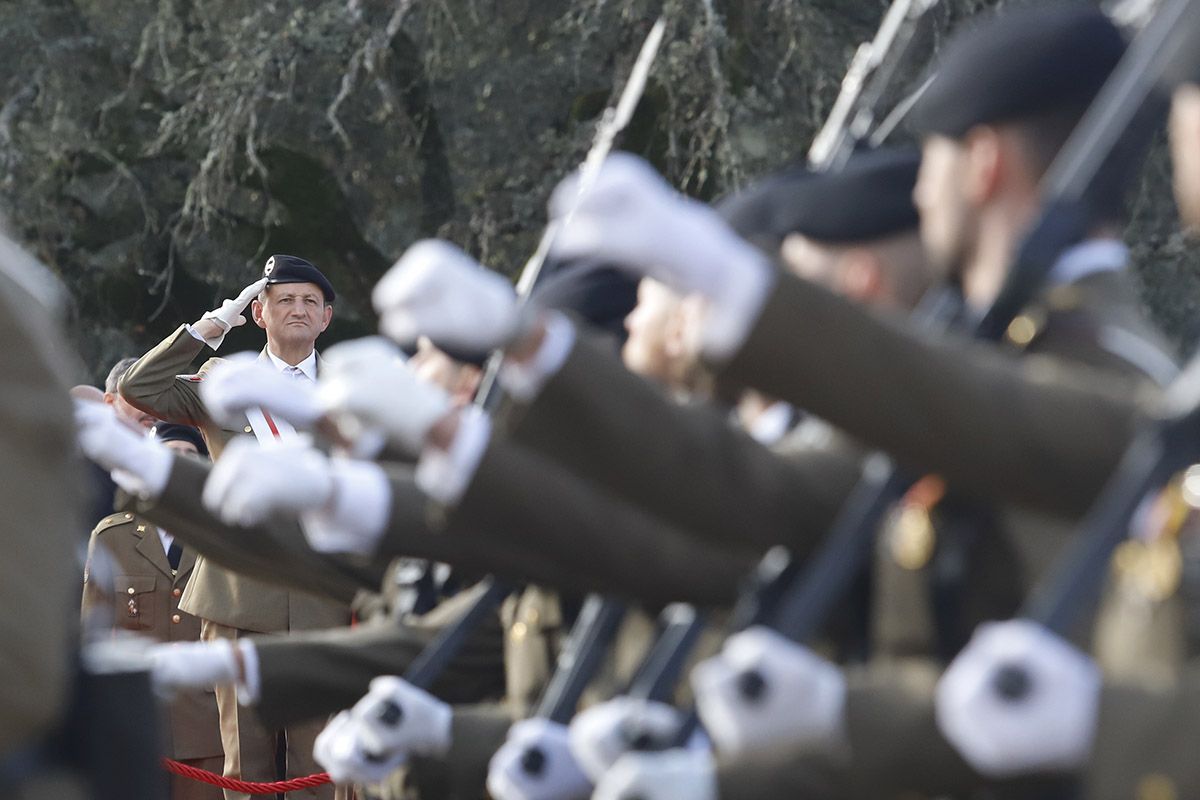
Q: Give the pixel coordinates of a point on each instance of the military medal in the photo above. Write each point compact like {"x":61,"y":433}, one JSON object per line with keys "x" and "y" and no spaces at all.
{"x":911,"y":536}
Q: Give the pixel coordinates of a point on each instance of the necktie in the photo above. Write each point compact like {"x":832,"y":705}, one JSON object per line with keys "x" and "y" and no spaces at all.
{"x":174,"y":553}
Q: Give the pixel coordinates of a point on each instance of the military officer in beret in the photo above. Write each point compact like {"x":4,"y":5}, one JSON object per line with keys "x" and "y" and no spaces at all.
{"x":135,"y":576}
{"x":293,"y":303}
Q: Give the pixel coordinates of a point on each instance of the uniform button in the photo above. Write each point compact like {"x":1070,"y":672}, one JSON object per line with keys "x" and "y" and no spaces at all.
{"x":176,"y":592}
{"x":518,"y":631}
{"x":247,"y":429}
{"x":175,"y":618}
{"x":130,"y":590}
{"x":129,"y":516}
{"x":532,"y":617}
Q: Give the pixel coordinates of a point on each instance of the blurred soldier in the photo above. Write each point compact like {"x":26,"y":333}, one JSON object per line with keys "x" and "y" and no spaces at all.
{"x":293,"y":304}
{"x":1133,"y":732}
{"x":143,"y":575}
{"x":39,"y":491}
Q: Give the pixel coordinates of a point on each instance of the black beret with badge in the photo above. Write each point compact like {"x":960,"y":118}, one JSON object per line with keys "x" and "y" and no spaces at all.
{"x":293,"y":269}
{"x":869,"y":198}
{"x":1019,"y":63}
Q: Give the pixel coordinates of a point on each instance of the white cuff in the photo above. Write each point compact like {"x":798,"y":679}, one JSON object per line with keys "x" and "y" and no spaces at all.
{"x":445,"y":474}
{"x":523,"y":381}
{"x":215,"y":342}
{"x":250,"y":686}
{"x":358,"y":514}
{"x":733,"y":311}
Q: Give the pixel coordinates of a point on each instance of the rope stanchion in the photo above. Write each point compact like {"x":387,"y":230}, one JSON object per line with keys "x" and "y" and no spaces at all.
{"x":246,"y":787}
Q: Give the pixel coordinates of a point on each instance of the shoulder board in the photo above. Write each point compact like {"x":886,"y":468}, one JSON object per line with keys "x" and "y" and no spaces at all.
{"x":119,"y":518}
{"x":193,"y":378}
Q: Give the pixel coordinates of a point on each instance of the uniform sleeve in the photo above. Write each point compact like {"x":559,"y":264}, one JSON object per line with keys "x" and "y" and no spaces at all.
{"x":1034,"y":430}
{"x":275,"y":551}
{"x":306,"y":676}
{"x":476,"y":733}
{"x":153,"y":384}
{"x":534,"y":508}
{"x":1146,"y":740}
{"x":686,"y":465}
{"x":893,"y":748}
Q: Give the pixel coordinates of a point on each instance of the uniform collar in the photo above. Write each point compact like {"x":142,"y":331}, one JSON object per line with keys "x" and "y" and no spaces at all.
{"x":308,"y":366}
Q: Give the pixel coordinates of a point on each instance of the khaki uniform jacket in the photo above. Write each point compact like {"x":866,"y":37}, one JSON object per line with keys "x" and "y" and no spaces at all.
{"x":156,"y":384}
{"x":39,"y":492}
{"x":141,"y":594}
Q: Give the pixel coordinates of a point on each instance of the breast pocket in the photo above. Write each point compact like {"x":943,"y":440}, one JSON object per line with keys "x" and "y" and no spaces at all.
{"x":134,"y":601}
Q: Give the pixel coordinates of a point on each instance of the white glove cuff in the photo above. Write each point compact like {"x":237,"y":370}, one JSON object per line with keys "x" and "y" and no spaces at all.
{"x":733,"y":310}
{"x":358,"y":513}
{"x":249,"y":689}
{"x":445,"y":474}
{"x":441,"y":717}
{"x":216,"y":341}
{"x":522,"y":381}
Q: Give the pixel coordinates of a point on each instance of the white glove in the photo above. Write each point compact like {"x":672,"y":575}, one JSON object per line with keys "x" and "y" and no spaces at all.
{"x":139,"y":464}
{"x":228,"y":315}
{"x":632,"y":218}
{"x":437,"y":290}
{"x":365,"y":386}
{"x":801,"y":703}
{"x":337,"y":748}
{"x":671,"y":775}
{"x":192,"y":665}
{"x":250,"y":480}
{"x":242,"y":382}
{"x":1049,"y":720}
{"x":391,"y":721}
{"x":603,"y":733}
{"x":535,"y":763}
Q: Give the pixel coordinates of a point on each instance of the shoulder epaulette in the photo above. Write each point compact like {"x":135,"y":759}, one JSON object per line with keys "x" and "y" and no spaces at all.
{"x":119,"y":518}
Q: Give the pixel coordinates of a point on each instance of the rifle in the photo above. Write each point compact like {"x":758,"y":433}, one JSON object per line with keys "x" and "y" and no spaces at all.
{"x":436,"y":657}
{"x":872,"y":71}
{"x":591,"y":635}
{"x":806,"y":595}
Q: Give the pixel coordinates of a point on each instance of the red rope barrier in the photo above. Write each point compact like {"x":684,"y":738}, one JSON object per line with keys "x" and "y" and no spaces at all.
{"x":247,"y":787}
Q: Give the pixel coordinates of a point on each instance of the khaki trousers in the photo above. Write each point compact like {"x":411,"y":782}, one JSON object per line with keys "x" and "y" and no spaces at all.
{"x":250,"y":748}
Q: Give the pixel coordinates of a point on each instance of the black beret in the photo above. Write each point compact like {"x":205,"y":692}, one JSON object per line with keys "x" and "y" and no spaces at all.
{"x":174,"y":432}
{"x":869,"y":198}
{"x":291,"y":269}
{"x":599,"y":294}
{"x":1018,"y":64}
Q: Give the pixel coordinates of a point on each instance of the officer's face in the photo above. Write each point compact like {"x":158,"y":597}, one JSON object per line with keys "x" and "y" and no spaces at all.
{"x":1185,"y":152}
{"x":940,"y":200}
{"x":293,"y":313}
{"x":128,"y":414}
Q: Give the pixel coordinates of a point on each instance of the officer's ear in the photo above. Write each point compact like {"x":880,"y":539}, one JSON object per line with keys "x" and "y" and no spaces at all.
{"x":326,"y":316}
{"x":256,"y":310}
{"x":985,"y":162}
